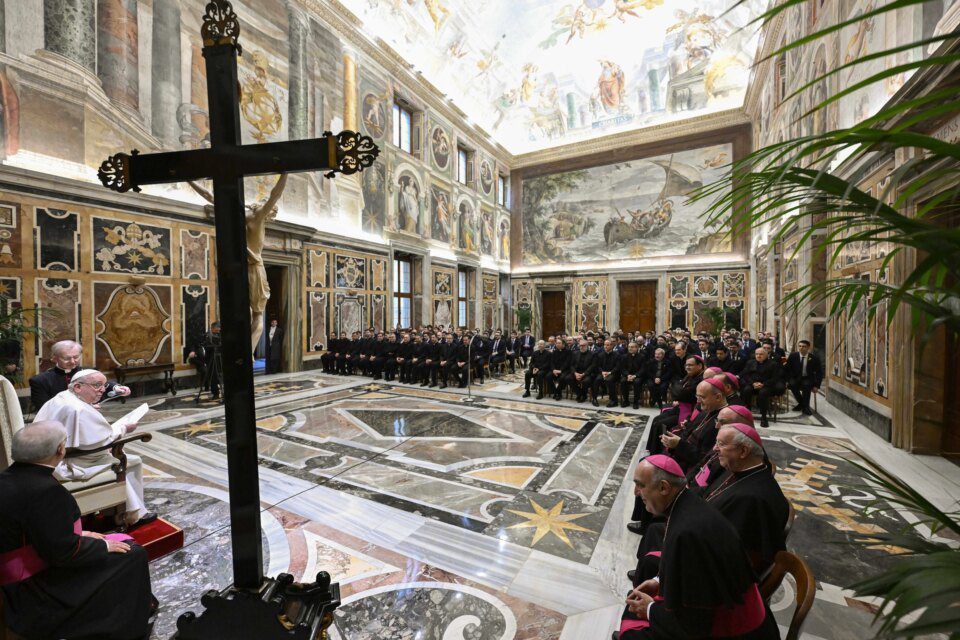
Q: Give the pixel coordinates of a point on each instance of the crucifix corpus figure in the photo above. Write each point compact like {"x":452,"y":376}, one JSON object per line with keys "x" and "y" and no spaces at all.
{"x":254,"y":606}
{"x":257,"y":216}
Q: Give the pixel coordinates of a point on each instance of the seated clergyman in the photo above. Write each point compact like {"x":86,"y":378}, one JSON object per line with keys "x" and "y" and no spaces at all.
{"x":88,"y":429}
{"x":56,"y":580}
{"x":706,"y":587}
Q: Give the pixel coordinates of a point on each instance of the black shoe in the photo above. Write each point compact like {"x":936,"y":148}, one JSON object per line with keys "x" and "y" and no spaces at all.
{"x":796,"y":407}
{"x":462,"y":385}
{"x":613,"y":404}
{"x":764,"y":423}
{"x":636,"y":527}
{"x":539,"y":396}
{"x":526,"y":394}
{"x":431,"y":385}
{"x":624,"y":404}
{"x":443,"y":385}
{"x":557,"y":397}
{"x":594,"y":402}
{"x":615,"y":636}
{"x":147,"y":518}
{"x":806,"y":411}
{"x":632,"y":576}
{"x":635,"y":405}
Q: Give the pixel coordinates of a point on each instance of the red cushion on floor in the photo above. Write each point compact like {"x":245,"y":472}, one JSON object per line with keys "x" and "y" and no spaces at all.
{"x":158,"y":537}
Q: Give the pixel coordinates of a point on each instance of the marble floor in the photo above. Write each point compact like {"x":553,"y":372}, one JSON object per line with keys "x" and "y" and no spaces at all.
{"x":492,"y":519}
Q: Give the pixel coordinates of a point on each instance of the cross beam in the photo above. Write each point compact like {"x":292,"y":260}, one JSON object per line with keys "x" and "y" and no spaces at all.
{"x":227,"y":162}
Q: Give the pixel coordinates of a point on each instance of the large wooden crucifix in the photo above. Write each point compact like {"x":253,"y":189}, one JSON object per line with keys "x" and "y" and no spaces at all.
{"x":227,"y":162}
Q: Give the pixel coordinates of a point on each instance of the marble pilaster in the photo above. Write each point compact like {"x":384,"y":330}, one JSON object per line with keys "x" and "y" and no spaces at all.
{"x":298,"y":82}
{"x":167,"y":92}
{"x":70,"y":30}
{"x":349,"y":92}
{"x":118,"y":51}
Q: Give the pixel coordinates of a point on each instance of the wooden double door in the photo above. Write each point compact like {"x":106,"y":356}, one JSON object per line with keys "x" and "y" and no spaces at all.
{"x":638,"y":306}
{"x":554,"y":316}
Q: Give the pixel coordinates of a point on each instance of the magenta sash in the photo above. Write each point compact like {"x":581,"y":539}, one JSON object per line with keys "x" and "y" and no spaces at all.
{"x":23,"y":563}
{"x":636,"y":625}
{"x":741,"y":619}
{"x":686,"y":408}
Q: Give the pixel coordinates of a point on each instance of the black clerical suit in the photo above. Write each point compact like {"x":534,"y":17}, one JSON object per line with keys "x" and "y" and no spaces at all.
{"x":559,"y":364}
{"x":632,"y":364}
{"x":447,"y":367}
{"x":428,"y":363}
{"x":804,"y":373}
{"x":684,"y":391}
{"x":44,"y":386}
{"x":539,"y":364}
{"x":724,"y":365}
{"x":653,"y":371}
{"x":399,"y":360}
{"x":84,"y":591}
{"x":583,"y":363}
{"x":525,"y":350}
{"x":349,"y":358}
{"x":329,"y":359}
{"x":707,"y":585}
{"x":755,"y":505}
{"x":767,"y":373}
{"x":384,"y":361}
{"x":608,"y":362}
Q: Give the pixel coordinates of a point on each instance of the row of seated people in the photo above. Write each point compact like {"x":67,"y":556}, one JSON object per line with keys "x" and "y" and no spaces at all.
{"x":712,"y":518}
{"x":430,"y":358}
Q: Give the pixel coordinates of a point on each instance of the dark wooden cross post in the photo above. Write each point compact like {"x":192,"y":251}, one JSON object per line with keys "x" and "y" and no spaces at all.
{"x":227,"y":162}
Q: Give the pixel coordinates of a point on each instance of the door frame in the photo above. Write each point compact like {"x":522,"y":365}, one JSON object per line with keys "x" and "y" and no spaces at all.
{"x":655,"y":281}
{"x":293,"y":320}
{"x":567,"y":290}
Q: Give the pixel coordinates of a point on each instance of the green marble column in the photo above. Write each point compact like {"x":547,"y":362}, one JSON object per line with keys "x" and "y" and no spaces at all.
{"x":70,"y":29}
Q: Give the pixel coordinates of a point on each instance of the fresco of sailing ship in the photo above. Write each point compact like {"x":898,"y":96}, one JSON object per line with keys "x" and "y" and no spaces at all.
{"x":640,"y":224}
{"x":634,"y":209}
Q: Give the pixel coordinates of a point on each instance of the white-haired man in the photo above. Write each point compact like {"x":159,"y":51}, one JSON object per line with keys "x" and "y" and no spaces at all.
{"x":88,"y":429}
{"x":66,"y":359}
{"x":56,"y":580}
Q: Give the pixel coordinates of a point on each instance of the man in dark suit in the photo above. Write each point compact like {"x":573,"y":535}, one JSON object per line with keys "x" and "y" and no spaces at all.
{"x":804,"y":375}
{"x":274,"y":352}
{"x":66,"y":358}
{"x":580,"y":373}
{"x":748,"y":345}
{"x":761,"y":379}
{"x":559,"y":364}
{"x":607,"y":368}
{"x":498,"y":353}
{"x":526,"y":347}
{"x":329,"y":359}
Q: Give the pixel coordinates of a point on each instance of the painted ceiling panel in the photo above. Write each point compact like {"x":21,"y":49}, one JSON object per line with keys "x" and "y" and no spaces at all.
{"x":542,"y":73}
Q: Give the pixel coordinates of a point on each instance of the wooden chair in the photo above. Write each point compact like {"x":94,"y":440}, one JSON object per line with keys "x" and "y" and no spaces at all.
{"x":806,"y":588}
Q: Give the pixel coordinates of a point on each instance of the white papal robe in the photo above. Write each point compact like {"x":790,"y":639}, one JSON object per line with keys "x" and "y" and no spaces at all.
{"x":88,"y":429}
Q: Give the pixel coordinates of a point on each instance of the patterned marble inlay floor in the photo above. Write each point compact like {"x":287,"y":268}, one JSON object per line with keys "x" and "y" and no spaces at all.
{"x":443,"y":519}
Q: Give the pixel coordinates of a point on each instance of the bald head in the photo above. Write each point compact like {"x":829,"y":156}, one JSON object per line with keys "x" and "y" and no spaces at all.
{"x":709,"y":396}
{"x":42,"y":442}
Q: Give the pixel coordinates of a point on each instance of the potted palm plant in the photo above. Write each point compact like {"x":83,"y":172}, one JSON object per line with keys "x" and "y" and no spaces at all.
{"x":15,"y":323}
{"x":810,"y":185}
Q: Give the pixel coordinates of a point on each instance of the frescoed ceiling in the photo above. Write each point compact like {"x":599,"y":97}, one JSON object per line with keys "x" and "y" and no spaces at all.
{"x":541,"y":73}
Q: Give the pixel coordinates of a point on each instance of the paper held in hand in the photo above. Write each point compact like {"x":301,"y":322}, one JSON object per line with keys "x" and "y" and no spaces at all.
{"x":133,"y":417}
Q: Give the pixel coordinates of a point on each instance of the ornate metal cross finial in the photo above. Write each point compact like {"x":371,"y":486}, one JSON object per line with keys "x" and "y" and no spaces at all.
{"x":114,"y":172}
{"x":220,"y":25}
{"x":355,"y":152}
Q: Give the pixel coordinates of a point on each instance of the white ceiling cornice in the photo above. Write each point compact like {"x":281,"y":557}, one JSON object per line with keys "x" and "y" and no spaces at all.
{"x":656,"y":133}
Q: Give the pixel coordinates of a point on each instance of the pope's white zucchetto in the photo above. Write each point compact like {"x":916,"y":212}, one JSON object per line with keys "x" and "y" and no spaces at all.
{"x":83,"y":373}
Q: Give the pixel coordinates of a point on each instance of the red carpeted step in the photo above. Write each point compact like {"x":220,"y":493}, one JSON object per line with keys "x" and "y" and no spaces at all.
{"x":158,"y":537}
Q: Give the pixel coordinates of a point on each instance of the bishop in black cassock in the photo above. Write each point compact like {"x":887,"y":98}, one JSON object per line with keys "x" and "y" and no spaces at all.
{"x":56,"y":580}
{"x":706,"y":587}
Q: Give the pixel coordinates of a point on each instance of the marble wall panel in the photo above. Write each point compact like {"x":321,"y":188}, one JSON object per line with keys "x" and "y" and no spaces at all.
{"x":56,"y":239}
{"x":11,"y":246}
{"x":688,"y":294}
{"x":350,"y":313}
{"x":194,"y":254}
{"x":194,"y":312}
{"x":350,"y":272}
{"x":378,"y":274}
{"x":378,"y":312}
{"x":132,"y":324}
{"x":317,"y":273}
{"x":317,"y":319}
{"x":129,"y":247}
{"x":60,"y":318}
{"x":11,"y":293}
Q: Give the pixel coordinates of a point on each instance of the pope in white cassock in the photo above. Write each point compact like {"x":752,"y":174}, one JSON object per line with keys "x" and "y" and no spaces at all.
{"x":88,"y":429}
